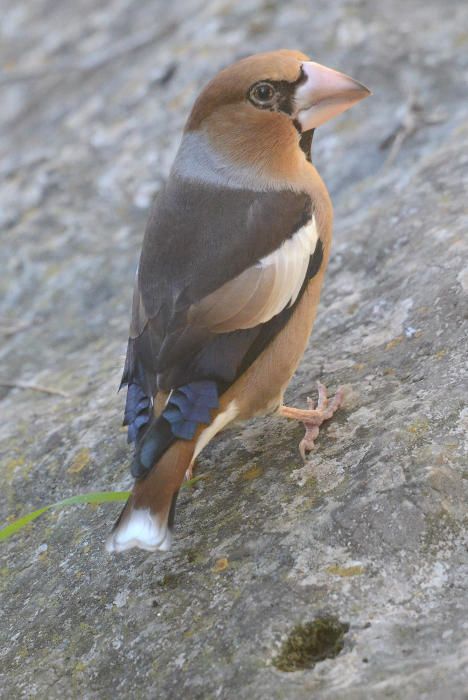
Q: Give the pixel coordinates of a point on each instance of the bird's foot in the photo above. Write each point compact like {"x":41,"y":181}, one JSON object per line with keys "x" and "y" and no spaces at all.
{"x":313,"y":417}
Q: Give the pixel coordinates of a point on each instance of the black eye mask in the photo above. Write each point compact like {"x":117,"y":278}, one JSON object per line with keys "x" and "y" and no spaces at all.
{"x":284,"y":91}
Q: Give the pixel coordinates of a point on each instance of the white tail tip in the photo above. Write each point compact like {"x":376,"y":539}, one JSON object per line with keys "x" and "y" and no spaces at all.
{"x":140,"y":529}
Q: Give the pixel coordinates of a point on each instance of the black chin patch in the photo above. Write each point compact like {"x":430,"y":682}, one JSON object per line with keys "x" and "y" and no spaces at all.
{"x":305,"y":143}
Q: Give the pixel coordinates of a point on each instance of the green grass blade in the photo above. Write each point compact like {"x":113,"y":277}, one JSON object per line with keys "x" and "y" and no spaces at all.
{"x":18,"y":524}
{"x":95,"y":497}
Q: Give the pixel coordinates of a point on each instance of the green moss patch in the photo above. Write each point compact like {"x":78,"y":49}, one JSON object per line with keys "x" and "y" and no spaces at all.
{"x":307,"y":644}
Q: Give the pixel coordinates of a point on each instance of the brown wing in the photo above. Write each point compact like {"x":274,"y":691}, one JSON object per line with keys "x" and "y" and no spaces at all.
{"x":214,"y":261}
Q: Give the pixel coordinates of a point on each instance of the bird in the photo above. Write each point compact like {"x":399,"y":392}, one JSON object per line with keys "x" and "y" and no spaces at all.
{"x":229,"y":278}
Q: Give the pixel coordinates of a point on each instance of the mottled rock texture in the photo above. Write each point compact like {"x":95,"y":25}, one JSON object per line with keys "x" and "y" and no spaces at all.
{"x":370,"y":530}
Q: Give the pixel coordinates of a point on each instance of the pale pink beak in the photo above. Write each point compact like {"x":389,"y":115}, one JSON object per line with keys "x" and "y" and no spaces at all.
{"x":325,"y":94}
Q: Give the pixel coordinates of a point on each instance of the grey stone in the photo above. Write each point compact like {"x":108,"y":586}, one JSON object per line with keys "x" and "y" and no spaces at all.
{"x":371,"y":529}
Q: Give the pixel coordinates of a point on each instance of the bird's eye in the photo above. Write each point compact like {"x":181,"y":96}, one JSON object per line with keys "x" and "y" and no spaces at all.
{"x":262,"y":94}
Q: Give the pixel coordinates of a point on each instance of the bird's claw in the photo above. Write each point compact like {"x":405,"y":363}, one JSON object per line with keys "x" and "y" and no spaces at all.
{"x":314,"y":416}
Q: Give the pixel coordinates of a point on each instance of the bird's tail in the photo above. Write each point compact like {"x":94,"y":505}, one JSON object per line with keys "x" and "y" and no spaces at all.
{"x":147,"y":518}
{"x":163,"y":454}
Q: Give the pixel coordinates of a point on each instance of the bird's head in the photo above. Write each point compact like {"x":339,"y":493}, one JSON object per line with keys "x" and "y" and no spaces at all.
{"x":254,"y":114}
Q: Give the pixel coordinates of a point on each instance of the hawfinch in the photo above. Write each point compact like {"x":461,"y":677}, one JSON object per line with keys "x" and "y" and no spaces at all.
{"x":229,"y":279}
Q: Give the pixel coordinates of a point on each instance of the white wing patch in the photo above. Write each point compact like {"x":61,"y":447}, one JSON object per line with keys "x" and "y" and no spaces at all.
{"x":263,"y":290}
{"x":290,"y":262}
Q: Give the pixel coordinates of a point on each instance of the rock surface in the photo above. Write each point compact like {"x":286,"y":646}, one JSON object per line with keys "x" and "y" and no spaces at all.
{"x":371,"y":529}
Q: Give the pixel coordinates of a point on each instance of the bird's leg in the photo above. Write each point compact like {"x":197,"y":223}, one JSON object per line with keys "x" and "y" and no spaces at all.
{"x":313,"y":417}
